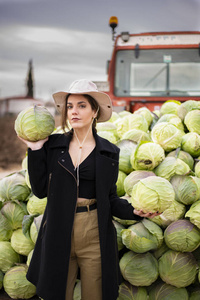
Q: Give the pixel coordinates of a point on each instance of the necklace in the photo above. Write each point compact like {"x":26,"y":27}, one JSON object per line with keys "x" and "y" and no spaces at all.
{"x":80,"y":152}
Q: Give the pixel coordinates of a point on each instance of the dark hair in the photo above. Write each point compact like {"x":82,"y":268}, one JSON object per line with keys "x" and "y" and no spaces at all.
{"x":94,"y":106}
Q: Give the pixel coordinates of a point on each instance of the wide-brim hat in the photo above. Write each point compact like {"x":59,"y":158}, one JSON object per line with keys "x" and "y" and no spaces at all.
{"x":86,"y":87}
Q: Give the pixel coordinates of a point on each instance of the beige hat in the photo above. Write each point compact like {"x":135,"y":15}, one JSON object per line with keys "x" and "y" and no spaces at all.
{"x":82,"y":87}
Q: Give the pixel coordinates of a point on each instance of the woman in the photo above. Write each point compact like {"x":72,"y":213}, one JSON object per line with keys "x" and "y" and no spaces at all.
{"x":78,"y":171}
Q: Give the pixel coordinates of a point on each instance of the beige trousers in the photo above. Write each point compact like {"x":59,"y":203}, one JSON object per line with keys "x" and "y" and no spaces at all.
{"x":85,"y":254}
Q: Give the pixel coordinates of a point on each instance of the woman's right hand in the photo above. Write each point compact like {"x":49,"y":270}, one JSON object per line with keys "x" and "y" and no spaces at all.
{"x":34,"y":145}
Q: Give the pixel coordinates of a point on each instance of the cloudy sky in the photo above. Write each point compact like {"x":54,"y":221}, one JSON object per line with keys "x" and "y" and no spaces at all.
{"x":69,"y":40}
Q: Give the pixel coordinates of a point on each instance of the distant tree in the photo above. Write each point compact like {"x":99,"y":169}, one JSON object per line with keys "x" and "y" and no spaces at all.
{"x":30,"y":81}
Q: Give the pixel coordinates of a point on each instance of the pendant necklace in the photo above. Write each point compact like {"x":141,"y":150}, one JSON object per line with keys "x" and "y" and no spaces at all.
{"x":79,"y":153}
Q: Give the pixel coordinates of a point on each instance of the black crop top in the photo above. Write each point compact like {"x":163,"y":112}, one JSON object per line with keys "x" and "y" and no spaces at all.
{"x":87,"y":177}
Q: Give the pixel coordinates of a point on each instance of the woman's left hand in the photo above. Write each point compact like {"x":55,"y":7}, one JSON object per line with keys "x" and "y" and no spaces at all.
{"x":145,"y":215}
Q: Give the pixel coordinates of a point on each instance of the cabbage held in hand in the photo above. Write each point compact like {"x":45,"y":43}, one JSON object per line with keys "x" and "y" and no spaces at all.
{"x":133,"y":178}
{"x":152,"y":194}
{"x":34,"y":123}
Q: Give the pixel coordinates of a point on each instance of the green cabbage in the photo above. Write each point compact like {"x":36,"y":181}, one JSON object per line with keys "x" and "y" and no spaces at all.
{"x":25,"y":163}
{"x":170,"y":107}
{"x":195,"y":295}
{"x":173,"y":213}
{"x":171,"y":166}
{"x":36,"y":205}
{"x":172,"y":119}
{"x":126,"y":148}
{"x":128,"y":291}
{"x":191,"y":143}
{"x":185,"y":156}
{"x":108,"y":135}
{"x":14,"y":212}
{"x":167,"y":135}
{"x":177,"y":268}
{"x":160,"y":251}
{"x":187,"y":106}
{"x":152,"y":194}
{"x":142,"y":236}
{"x":77,"y":291}
{"x":132,"y":121}
{"x":133,"y":178}
{"x":27,"y":179}
{"x":20,"y":243}
{"x":120,"y":183}
{"x":194,"y":213}
{"x":33,"y":228}
{"x":8,"y":256}
{"x":108,"y":127}
{"x":147,"y":156}
{"x":192,"y":121}
{"x":136,"y":135}
{"x":146,"y":113}
{"x":16,"y":285}
{"x":119,"y":227}
{"x":5,"y":229}
{"x":182,"y":236}
{"x":140,"y":269}
{"x":164,"y":291}
{"x":34,"y":123}
{"x":187,"y":188}
{"x":197,"y":168}
{"x":29,"y":257}
{"x":115,"y":116}
{"x":14,"y":187}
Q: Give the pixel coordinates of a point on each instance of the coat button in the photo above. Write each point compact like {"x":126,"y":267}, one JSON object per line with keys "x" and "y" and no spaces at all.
{"x":113,"y":164}
{"x":62,"y":151}
{"x":63,"y":160}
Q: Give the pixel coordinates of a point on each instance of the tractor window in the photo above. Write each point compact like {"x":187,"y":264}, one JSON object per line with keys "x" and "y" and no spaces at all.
{"x":164,"y":72}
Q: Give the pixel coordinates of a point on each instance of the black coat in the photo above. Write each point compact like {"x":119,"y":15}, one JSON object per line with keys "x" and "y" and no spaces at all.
{"x":50,"y":176}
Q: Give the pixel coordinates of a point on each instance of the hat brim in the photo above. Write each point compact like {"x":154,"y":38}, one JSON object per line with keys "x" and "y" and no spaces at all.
{"x":103,"y":100}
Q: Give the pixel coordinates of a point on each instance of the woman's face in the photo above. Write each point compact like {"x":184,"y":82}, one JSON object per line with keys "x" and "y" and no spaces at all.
{"x":79,"y":111}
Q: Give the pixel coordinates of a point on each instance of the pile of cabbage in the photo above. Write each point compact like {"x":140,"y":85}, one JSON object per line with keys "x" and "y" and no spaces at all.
{"x":159,"y":170}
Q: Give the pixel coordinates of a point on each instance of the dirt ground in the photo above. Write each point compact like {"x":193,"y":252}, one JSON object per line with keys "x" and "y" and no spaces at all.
{"x":12,"y":150}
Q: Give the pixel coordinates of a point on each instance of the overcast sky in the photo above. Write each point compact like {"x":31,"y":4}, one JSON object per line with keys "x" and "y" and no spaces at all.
{"x":69,"y":40}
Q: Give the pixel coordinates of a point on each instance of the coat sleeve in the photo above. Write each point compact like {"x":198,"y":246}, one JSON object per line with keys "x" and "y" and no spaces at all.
{"x":120,"y":207}
{"x":37,"y":170}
